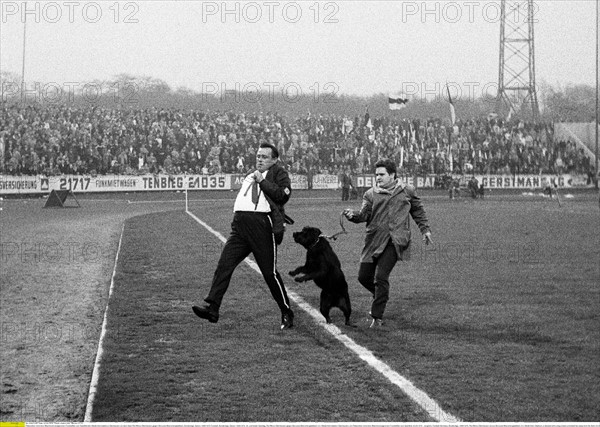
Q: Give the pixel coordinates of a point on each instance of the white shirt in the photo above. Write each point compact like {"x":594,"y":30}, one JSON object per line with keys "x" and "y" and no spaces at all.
{"x":243,"y":201}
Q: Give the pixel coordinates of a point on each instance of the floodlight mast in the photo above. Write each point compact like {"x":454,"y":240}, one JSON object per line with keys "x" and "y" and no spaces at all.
{"x":516,"y":69}
{"x":597,"y":119}
{"x":23,"y":62}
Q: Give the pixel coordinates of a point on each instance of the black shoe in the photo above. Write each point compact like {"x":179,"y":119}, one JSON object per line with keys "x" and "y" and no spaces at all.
{"x":206,"y":312}
{"x":287,"y":320}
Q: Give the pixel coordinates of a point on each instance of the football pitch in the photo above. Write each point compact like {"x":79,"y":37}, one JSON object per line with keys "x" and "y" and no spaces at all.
{"x":498,"y":321}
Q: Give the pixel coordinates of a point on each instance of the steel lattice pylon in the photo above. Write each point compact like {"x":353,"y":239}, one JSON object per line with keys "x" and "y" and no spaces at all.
{"x":516,"y":77}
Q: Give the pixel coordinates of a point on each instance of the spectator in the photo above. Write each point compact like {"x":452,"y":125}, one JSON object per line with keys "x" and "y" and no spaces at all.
{"x":114,"y":141}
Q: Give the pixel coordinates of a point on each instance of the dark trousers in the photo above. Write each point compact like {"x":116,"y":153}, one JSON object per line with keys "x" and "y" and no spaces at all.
{"x":374,"y":276}
{"x":251,"y":232}
{"x":345,"y":193}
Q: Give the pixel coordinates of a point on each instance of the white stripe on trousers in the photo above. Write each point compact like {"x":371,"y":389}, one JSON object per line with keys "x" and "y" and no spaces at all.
{"x":275,"y":265}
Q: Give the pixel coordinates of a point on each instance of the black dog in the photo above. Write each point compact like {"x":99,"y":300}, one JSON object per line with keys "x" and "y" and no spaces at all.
{"x":323,"y":266}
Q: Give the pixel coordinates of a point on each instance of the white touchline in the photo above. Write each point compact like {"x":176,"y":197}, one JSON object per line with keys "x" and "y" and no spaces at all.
{"x":134,"y":202}
{"x":96,"y":371}
{"x":421,"y":398}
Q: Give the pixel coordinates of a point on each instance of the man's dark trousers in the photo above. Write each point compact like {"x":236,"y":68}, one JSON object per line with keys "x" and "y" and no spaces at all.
{"x":251,"y":232}
{"x":375,"y":278}
{"x":345,"y":193}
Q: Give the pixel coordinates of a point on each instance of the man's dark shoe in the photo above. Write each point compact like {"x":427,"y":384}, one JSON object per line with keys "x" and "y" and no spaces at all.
{"x":206,"y":312}
{"x":287,"y":320}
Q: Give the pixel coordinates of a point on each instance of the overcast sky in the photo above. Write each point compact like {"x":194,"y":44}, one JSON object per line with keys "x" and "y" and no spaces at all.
{"x":349,"y":47}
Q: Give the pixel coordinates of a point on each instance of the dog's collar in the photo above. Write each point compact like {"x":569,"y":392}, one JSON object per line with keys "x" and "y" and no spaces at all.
{"x":316,"y":241}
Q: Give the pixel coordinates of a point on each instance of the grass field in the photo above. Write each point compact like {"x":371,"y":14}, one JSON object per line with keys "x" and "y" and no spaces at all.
{"x":55,"y":269}
{"x":498,"y":321}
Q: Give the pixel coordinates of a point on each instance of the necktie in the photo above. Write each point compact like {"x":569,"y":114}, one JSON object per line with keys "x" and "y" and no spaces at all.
{"x":255,"y":192}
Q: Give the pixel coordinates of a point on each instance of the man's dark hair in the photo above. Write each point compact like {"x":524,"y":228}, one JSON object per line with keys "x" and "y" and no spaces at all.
{"x":389,"y":166}
{"x":274,"y":150}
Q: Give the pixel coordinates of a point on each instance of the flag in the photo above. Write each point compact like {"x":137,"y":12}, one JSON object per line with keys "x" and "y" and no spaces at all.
{"x":347,"y":126}
{"x":396,"y":102}
{"x":509,"y":114}
{"x":368,"y":119}
{"x":452,"y":111}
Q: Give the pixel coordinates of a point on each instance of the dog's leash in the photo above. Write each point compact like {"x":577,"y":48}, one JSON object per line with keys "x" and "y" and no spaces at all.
{"x":334,"y":236}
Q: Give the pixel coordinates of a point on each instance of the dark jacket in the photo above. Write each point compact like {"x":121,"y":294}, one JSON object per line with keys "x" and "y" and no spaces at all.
{"x":277,"y":188}
{"x":387,"y":215}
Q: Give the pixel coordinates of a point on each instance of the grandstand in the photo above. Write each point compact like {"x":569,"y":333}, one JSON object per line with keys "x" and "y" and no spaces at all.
{"x":52,"y":141}
{"x":582,"y":134}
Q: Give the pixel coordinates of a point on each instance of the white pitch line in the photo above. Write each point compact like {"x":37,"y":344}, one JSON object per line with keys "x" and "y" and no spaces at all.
{"x":421,"y":398}
{"x":133,"y":202}
{"x":100,"y":352}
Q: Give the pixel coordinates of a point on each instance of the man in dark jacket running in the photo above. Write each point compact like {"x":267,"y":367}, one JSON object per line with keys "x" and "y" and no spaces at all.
{"x":386,"y":209}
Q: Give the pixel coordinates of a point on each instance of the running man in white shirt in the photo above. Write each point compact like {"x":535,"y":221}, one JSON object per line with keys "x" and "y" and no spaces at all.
{"x":257,"y":228}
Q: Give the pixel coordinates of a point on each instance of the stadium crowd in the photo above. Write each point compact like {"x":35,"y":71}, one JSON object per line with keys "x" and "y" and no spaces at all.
{"x":54,"y":140}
